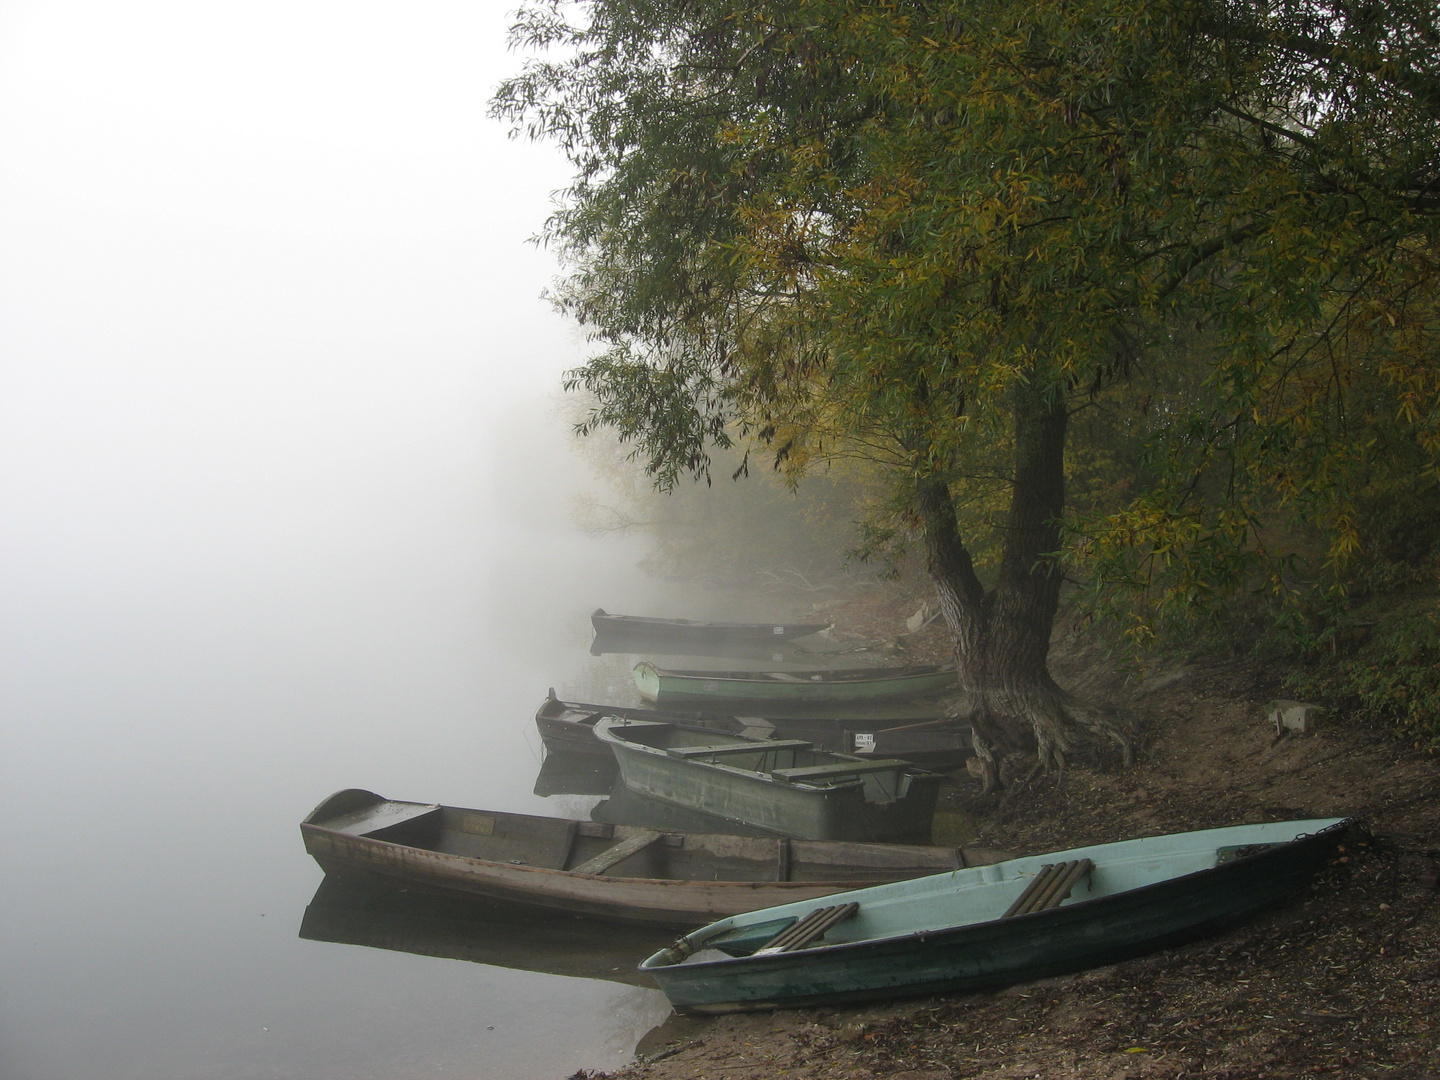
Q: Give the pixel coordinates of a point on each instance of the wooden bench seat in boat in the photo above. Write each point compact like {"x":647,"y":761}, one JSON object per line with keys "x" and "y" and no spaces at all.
{"x":1049,"y":888}
{"x":739,"y":748}
{"x":838,"y":769}
{"x":618,"y":853}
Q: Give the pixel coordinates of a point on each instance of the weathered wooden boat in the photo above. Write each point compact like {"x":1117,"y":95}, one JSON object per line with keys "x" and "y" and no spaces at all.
{"x":689,"y":689}
{"x":1010,"y":922}
{"x":627,"y":633}
{"x":594,"y":868}
{"x":347,"y":911}
{"x":786,"y":786}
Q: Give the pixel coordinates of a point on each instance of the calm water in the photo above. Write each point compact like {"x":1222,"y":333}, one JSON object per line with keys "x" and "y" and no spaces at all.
{"x":167,"y":725}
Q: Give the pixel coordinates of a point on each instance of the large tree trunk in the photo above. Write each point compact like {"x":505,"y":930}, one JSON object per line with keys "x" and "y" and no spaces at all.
{"x":1002,"y":638}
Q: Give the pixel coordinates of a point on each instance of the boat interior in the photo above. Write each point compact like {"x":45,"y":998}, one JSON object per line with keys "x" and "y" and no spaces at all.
{"x":1004,"y":890}
{"x":791,"y":761}
{"x":594,"y":847}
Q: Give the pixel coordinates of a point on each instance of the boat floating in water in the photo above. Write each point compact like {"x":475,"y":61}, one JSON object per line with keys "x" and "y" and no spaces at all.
{"x":700,"y":689}
{"x":785,"y":786}
{"x":938,"y":743}
{"x":1010,"y":922}
{"x":598,"y":869}
{"x":642,"y":633}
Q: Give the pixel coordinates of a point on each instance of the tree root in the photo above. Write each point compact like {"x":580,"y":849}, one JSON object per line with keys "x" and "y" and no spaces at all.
{"x":1043,"y":720}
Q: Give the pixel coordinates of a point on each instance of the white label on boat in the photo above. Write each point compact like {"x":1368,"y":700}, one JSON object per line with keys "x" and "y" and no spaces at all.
{"x":864,"y":742}
{"x":710,"y":685}
{"x":780,"y":631}
{"x":473,"y":823}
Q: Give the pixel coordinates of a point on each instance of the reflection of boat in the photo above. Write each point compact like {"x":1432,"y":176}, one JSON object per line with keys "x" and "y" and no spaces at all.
{"x":783,"y":785}
{"x":1010,"y":922}
{"x":698,"y":689}
{"x":353,"y":912}
{"x":564,"y":773}
{"x":592,"y":868}
{"x":922,"y":738}
{"x":635,"y":633}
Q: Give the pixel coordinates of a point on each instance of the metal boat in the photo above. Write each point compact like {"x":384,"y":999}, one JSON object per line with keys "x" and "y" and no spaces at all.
{"x":785,"y":786}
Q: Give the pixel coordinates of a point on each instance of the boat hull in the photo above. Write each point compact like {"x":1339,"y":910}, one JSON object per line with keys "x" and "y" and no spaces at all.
{"x":845,"y":810}
{"x":933,"y":742}
{"x":680,"y":634}
{"x":701,"y":689}
{"x":999,"y":951}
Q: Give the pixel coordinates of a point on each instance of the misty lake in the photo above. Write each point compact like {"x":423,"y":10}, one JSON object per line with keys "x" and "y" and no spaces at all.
{"x":169,"y":721}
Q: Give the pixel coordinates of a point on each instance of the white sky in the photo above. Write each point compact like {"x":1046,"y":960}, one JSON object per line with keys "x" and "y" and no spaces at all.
{"x":254,"y":256}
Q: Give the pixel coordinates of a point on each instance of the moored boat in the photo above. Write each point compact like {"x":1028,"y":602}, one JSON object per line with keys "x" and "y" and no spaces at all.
{"x":569,"y":726}
{"x":670,"y":688}
{"x":619,"y":633}
{"x":938,"y":743}
{"x":1010,"y":922}
{"x":785,"y":786}
{"x":609,"y":871}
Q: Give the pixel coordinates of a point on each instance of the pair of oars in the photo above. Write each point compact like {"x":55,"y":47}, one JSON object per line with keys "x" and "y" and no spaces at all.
{"x":1050,"y":887}
{"x":808,"y":929}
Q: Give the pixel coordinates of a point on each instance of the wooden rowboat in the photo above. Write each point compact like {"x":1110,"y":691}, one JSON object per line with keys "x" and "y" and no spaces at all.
{"x":1010,"y":922}
{"x":592,"y":868}
{"x":635,"y":633}
{"x":783,"y":785}
{"x":692,"y":689}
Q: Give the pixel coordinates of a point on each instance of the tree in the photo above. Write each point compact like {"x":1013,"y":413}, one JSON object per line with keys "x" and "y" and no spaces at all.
{"x":933,"y":231}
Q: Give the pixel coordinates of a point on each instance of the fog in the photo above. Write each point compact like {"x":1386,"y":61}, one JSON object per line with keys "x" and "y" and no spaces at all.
{"x":283,"y":509}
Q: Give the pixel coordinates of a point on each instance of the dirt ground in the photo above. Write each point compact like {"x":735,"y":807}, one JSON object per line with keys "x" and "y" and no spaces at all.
{"x":1344,"y":982}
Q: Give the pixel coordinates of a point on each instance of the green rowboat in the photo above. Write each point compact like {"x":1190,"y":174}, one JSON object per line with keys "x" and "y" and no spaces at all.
{"x":1011,"y":922}
{"x":693,"y":689}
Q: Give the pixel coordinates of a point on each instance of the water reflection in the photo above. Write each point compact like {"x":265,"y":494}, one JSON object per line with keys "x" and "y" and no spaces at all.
{"x":384,"y":917}
{"x":564,"y":773}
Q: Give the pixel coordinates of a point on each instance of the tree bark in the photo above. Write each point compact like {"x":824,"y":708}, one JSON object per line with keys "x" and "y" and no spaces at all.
{"x":1002,"y":637}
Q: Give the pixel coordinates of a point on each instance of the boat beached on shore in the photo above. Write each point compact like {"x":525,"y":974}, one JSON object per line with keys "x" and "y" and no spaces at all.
{"x":1010,"y":922}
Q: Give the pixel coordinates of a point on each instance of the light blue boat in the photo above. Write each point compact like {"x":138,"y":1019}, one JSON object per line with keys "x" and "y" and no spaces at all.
{"x":990,"y":925}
